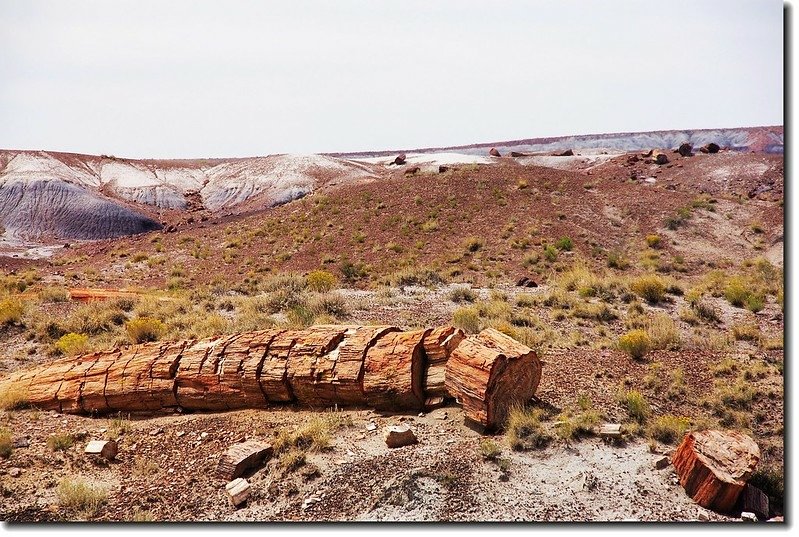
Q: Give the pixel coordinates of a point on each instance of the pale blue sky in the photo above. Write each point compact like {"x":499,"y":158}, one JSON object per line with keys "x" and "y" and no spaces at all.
{"x":163,"y":78}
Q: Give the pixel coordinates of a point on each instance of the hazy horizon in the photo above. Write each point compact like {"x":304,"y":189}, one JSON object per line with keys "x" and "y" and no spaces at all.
{"x":205,"y":79}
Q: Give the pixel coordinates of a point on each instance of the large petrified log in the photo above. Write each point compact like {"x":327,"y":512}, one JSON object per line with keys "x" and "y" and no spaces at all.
{"x":379,"y":366}
{"x":489,"y":373}
{"x":714,"y":466}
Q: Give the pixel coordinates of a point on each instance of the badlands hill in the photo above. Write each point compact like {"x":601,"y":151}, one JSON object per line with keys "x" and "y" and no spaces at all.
{"x":50,"y":195}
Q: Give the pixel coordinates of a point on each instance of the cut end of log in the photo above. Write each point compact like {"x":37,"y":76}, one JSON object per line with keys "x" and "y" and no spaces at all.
{"x":714,"y":466}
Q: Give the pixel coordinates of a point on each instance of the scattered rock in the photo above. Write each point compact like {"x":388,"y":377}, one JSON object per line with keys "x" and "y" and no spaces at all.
{"x":432,"y":403}
{"x":661,"y":463}
{"x":567,"y":153}
{"x":746,"y":516}
{"x":203,"y":436}
{"x":238,"y":491}
{"x":180,"y":433}
{"x":660,"y":158}
{"x":400,"y":159}
{"x":776,"y":519}
{"x":241,"y":458}
{"x":371,"y":426}
{"x":610,"y":430}
{"x":399,"y":435}
{"x":703,"y":516}
{"x":107,"y":449}
{"x":686,"y":150}
{"x":714,"y":466}
{"x":525,"y":282}
{"x":308,"y":502}
{"x":156,"y":432}
{"x":710,"y":148}
{"x":494,"y":153}
{"x":516,"y":154}
{"x":14,"y":472}
{"x":755,"y":501}
{"x":21,"y":442}
{"x":412,"y":171}
{"x":442,"y":168}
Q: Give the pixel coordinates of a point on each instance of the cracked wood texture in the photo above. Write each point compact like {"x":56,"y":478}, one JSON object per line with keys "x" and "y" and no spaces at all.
{"x":714,"y":466}
{"x":378,"y":366}
{"x":489,"y":373}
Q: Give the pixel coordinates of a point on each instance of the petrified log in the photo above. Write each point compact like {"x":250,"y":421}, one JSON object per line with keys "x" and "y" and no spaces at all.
{"x":438,"y":345}
{"x":710,"y":148}
{"x":685,"y":150}
{"x":489,"y":373}
{"x":567,"y":153}
{"x":714,"y":466}
{"x":240,"y":458}
{"x":379,"y":366}
{"x":392,"y":375}
{"x":494,"y":153}
{"x":91,"y":295}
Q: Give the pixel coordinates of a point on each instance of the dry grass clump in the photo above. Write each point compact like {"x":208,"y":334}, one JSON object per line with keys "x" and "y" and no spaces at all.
{"x":523,"y":429}
{"x":636,"y":343}
{"x":663,"y":333}
{"x":118,"y":426}
{"x":71,"y":344}
{"x":669,"y":429}
{"x":80,"y":498}
{"x":489,"y":449}
{"x":331,"y":304}
{"x":51,"y":294}
{"x":144,"y":467}
{"x":321,"y":281}
{"x":472,"y":244}
{"x":467,"y":318}
{"x":636,"y":405}
{"x":144,"y":329}
{"x":6,"y":443}
{"x":573,"y":423}
{"x":13,"y":398}
{"x":746,"y":332}
{"x":421,"y":276}
{"x":60,"y":442}
{"x":462,"y":293}
{"x":11,"y":311}
{"x":650,"y":287}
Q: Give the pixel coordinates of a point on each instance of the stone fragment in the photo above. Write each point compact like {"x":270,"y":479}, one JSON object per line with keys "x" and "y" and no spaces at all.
{"x":610,"y":430}
{"x":661,"y":463}
{"x":494,"y":153}
{"x":685,"y":150}
{"x":107,"y":449}
{"x":746,"y":516}
{"x":14,"y":472}
{"x":567,"y":153}
{"x":399,"y":435}
{"x":241,"y":458}
{"x":713,"y":467}
{"x":710,"y":148}
{"x":238,"y":491}
{"x":399,"y":160}
{"x":412,"y":171}
{"x":755,"y":501}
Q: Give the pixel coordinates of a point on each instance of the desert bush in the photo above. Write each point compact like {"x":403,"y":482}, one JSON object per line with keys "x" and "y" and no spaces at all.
{"x":755,"y":302}
{"x":489,"y":449}
{"x":663,"y":332}
{"x":746,"y":332}
{"x":415,"y":276}
{"x":736,"y":292}
{"x":653,"y":241}
{"x":650,"y":287}
{"x":60,"y":442}
{"x":71,"y":344}
{"x":636,"y":343}
{"x":300,"y":316}
{"x":467,"y":318}
{"x":580,"y":421}
{"x":636,"y":405}
{"x":80,"y":498}
{"x":669,"y":429}
{"x":11,"y":311}
{"x":617,"y":260}
{"x":550,"y":253}
{"x":6,"y":443}
{"x":472,"y":244}
{"x":462,"y":293}
{"x":52,"y":294}
{"x":144,"y":329}
{"x":284,"y":280}
{"x":706,"y":312}
{"x":94,"y":319}
{"x":523,"y":429}
{"x":597,"y":312}
{"x":321,"y":281}
{"x":526,"y":300}
{"x":118,"y":426}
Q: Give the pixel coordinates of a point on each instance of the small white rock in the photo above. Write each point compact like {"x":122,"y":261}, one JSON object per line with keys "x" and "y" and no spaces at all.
{"x":371,"y":426}
{"x":203,"y":436}
{"x":746,"y":516}
{"x":238,"y":491}
{"x":309,"y":502}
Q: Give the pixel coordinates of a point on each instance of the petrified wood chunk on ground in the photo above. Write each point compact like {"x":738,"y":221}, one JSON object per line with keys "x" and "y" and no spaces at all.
{"x":393,"y":369}
{"x":438,"y":345}
{"x":240,"y":458}
{"x":489,"y":373}
{"x":714,"y":466}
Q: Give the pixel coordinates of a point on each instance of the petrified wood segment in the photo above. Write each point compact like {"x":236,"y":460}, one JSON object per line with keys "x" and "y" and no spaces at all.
{"x":393,"y":369}
{"x":714,"y":466}
{"x":438,"y":345}
{"x":379,"y":366}
{"x":240,"y":458}
{"x":489,"y":373}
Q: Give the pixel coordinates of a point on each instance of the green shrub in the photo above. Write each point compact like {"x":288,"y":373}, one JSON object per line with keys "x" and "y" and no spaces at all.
{"x":523,"y":429}
{"x":144,"y":329}
{"x":650,"y":287}
{"x":669,"y":429}
{"x":564,"y":243}
{"x":636,"y":343}
{"x":489,"y":449}
{"x":550,"y":253}
{"x":755,"y":302}
{"x":329,"y":304}
{"x":636,"y":405}
{"x":467,"y":318}
{"x":736,"y":292}
{"x":71,"y":344}
{"x":11,"y":311}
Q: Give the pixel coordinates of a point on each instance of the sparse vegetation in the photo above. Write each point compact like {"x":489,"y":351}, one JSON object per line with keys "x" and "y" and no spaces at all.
{"x":636,"y":405}
{"x":462,"y":293}
{"x":669,"y":429}
{"x":651,"y":288}
{"x":636,"y":343}
{"x":60,"y":442}
{"x":71,"y":344}
{"x":80,"y":498}
{"x":144,"y":329}
{"x":11,"y":311}
{"x":523,"y":429}
{"x":6,"y":443}
{"x":467,"y":318}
